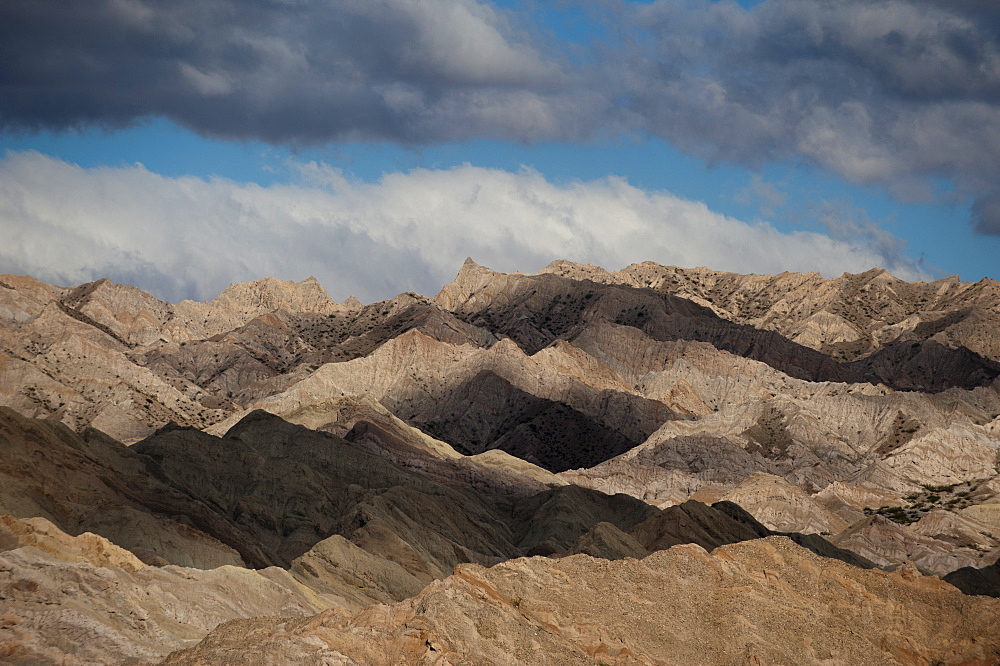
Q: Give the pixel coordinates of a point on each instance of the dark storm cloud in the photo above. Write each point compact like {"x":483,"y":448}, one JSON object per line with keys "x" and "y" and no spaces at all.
{"x":892,"y":93}
{"x":986,"y":214}
{"x":282,"y":71}
{"x":895,"y":93}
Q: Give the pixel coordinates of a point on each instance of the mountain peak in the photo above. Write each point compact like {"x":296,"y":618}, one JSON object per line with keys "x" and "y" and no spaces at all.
{"x":570,"y":269}
{"x":874,"y":275}
{"x":471,"y":277}
{"x":270,"y":294}
{"x":352,"y":303}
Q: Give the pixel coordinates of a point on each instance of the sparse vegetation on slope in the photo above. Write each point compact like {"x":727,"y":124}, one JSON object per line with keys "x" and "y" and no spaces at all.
{"x":354,"y":454}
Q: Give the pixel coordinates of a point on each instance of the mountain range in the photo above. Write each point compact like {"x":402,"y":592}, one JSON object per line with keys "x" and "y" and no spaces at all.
{"x":601,"y":467}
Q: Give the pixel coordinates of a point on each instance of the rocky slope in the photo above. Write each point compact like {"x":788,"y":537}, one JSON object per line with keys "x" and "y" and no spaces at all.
{"x":83,"y":600}
{"x":482,"y":399}
{"x":848,"y":317}
{"x":359,"y":453}
{"x":269,"y":491}
{"x":533,"y":310}
{"x":758,"y":602}
{"x":659,"y":382}
{"x":326,"y":524}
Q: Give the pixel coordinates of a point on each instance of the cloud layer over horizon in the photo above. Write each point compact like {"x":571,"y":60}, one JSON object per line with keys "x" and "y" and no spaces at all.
{"x":190,"y":238}
{"x":896,"y":93}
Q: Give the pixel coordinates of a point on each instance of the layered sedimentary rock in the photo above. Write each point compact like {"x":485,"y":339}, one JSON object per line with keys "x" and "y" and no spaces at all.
{"x":88,"y":482}
{"x":479,"y":399}
{"x":83,"y":600}
{"x":849,"y":316}
{"x":576,"y":411}
{"x":350,"y":528}
{"x":764,"y":601}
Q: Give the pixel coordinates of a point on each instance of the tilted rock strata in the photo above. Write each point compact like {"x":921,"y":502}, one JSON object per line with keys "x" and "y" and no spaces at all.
{"x":536,"y":309}
{"x":60,"y":612}
{"x":81,"y":599}
{"x":712,"y":375}
{"x":784,"y":507}
{"x":887,"y":543}
{"x":763,"y":601}
{"x":89,"y":482}
{"x":350,"y":577}
{"x":42,"y":535}
{"x":852,"y":314}
{"x":271,"y":490}
{"x":430,"y":383}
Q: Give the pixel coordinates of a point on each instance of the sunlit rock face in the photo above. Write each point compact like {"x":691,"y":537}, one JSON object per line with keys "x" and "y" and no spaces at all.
{"x":167,"y":468}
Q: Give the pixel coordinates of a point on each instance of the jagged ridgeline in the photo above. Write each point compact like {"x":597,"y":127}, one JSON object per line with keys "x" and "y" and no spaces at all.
{"x":287,"y":462}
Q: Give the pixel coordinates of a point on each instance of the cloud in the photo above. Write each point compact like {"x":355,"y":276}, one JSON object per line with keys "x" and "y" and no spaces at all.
{"x":189,"y":237}
{"x":986,"y":214}
{"x":767,"y":196}
{"x":308,"y":71}
{"x":893,"y":93}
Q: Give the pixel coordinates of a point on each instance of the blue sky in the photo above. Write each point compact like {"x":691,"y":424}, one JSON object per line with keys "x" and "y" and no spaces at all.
{"x":177,"y":145}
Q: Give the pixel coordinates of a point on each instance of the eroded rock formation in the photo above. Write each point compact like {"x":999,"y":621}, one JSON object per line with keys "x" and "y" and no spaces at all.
{"x":321,"y":456}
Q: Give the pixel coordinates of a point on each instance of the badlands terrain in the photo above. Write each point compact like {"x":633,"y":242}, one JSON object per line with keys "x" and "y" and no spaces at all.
{"x":652,"y":466}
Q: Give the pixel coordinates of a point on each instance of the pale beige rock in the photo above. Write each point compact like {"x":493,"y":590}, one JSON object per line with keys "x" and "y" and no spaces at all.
{"x":962,"y":530}
{"x":413,"y":373}
{"x":986,"y":514}
{"x":758,"y":602}
{"x":496,"y":459}
{"x":46,"y":537}
{"x":653,"y":484}
{"x":62,"y":612}
{"x":856,"y":497}
{"x":340,"y":413}
{"x":840,"y":437}
{"x":82,"y":339}
{"x":849,"y":502}
{"x":783,"y":507}
{"x":887,"y":543}
{"x":946,"y":456}
{"x":352,"y":578}
{"x":83,"y":376}
{"x":116,"y":358}
{"x":824,"y":328}
{"x":23,"y":297}
{"x":862,"y":310}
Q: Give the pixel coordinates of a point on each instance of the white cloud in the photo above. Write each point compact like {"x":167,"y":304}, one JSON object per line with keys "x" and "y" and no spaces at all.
{"x":898,"y":94}
{"x":189,"y":237}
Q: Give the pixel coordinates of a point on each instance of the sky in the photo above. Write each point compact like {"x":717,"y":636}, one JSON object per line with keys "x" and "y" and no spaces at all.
{"x":183,"y":145}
